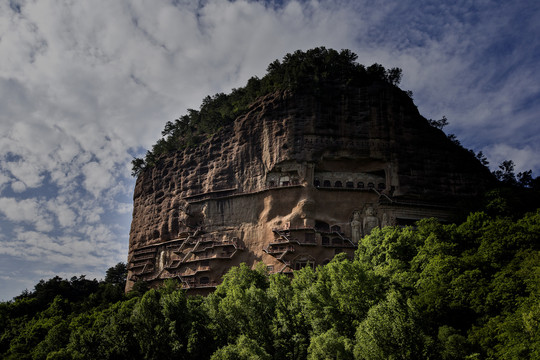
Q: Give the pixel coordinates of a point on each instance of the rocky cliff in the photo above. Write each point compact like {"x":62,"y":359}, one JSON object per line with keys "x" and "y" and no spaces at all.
{"x":301,"y":176}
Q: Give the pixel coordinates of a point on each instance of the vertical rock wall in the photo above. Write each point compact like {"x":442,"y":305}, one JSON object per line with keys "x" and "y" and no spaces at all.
{"x":296,"y":180}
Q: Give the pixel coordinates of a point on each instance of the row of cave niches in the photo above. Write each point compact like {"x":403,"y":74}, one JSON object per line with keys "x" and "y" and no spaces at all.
{"x":337,"y":184}
{"x":195,"y":257}
{"x":348,"y":185}
{"x":292,"y":182}
{"x":291,"y":245}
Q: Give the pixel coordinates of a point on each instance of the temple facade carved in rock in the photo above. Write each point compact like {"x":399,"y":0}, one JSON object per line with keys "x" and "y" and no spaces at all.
{"x":291,"y":184}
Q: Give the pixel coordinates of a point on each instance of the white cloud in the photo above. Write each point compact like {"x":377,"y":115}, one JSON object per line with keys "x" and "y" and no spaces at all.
{"x":75,"y":251}
{"x":26,"y":211}
{"x":97,"y":178}
{"x":18,"y":186}
{"x":65,"y":215}
{"x":524,"y":158}
{"x":123,"y":208}
{"x":26,"y":173}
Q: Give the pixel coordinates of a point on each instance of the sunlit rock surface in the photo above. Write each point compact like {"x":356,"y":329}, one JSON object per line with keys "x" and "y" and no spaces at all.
{"x":295,"y":181}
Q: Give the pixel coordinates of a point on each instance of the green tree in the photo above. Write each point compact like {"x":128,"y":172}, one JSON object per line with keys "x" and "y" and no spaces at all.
{"x":244,"y":349}
{"x":290,"y":327}
{"x":340,"y":296}
{"x":56,"y":340}
{"x":26,"y":344}
{"x":389,"y":252}
{"x":393,"y":76}
{"x":391,"y":330}
{"x":330,"y":345}
{"x":440,"y":124}
{"x":453,"y":345}
{"x":117,"y":275}
{"x":200,"y":342}
{"x":104,"y":334}
{"x":160,"y":324}
{"x":241,"y":306}
{"x":505,"y":173}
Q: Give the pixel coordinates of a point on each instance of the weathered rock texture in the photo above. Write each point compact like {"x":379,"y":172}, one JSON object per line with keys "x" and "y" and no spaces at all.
{"x":295,"y":181}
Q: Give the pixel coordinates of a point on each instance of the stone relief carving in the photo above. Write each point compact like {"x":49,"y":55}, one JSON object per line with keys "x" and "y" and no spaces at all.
{"x":307,"y":212}
{"x":356,"y":227}
{"x":370,"y":221}
{"x":385,"y":221}
{"x":162,"y":260}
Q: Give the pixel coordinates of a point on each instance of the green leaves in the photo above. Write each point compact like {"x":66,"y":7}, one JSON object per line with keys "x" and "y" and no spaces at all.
{"x":330,"y":345}
{"x":241,"y":306}
{"x":340,"y":296}
{"x":391,"y":330}
{"x":244,"y":349}
{"x":433,"y":291}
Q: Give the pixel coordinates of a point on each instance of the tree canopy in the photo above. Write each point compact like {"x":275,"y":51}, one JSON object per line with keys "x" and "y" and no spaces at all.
{"x":428,"y":291}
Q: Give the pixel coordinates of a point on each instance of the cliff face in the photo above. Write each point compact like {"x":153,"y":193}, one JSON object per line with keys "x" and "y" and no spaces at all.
{"x":296,"y":180}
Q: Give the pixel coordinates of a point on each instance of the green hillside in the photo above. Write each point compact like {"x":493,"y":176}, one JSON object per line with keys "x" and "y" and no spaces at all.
{"x":431,"y":291}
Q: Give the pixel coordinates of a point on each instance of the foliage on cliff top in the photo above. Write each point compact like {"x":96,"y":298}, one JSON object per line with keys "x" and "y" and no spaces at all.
{"x":310,"y":71}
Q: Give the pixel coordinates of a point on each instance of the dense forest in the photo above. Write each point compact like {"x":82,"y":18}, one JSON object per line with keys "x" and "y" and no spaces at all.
{"x":315,"y":71}
{"x":430,"y":291}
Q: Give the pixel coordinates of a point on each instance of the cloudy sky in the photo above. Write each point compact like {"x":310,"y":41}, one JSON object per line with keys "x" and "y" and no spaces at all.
{"x":87,"y":85}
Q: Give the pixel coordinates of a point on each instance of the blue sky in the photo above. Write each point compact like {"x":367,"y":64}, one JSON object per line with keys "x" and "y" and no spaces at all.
{"x":86,"y":85}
